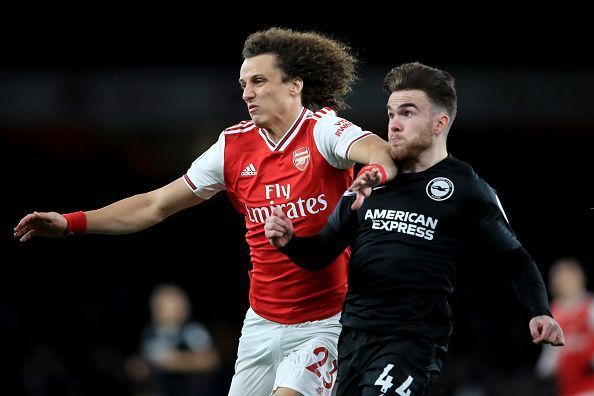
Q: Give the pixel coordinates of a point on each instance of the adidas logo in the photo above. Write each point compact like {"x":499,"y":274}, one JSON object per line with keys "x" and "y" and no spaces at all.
{"x":249,"y":170}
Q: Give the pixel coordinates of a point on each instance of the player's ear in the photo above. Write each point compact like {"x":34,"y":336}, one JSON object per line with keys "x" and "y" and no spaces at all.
{"x":442,"y":121}
{"x":296,"y":86}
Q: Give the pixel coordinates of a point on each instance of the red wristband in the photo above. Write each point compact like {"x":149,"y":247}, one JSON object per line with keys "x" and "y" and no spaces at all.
{"x":371,"y":167}
{"x":76,"y":223}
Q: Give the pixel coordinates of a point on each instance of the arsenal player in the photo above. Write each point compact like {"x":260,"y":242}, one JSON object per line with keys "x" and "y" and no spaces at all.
{"x":573,"y":307}
{"x":296,"y":154}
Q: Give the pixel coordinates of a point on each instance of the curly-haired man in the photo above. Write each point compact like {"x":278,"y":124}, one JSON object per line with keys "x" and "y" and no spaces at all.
{"x":296,"y":154}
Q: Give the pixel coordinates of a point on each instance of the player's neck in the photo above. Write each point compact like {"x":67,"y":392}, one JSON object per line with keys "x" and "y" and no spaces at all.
{"x":572,"y":299}
{"x":278,"y":126}
{"x":425,"y":160}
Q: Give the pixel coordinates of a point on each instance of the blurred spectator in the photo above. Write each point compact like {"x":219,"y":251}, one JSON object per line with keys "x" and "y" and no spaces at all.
{"x":178,"y":355}
{"x":573,"y":308}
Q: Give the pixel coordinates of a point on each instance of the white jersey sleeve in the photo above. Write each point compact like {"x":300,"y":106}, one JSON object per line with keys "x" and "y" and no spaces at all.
{"x":205,"y":177}
{"x":334,"y":137}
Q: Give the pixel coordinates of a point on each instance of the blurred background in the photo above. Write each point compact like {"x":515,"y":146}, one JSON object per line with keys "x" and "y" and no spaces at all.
{"x":94,"y":109}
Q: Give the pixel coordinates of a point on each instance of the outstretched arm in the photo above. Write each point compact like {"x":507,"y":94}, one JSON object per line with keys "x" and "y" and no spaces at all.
{"x":318,"y":251}
{"x":531,"y":291}
{"x":122,"y":217}
{"x":313,"y":253}
{"x":494,"y":228}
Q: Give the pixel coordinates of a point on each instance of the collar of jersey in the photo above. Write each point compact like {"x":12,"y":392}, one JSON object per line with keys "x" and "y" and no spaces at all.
{"x":288,"y":136}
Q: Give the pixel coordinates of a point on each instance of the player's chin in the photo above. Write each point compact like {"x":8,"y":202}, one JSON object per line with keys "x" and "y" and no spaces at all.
{"x":259,"y":120}
{"x":398,"y":153}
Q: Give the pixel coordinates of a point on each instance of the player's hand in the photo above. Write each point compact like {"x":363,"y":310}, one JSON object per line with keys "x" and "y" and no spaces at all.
{"x":278,"y":228}
{"x":363,"y":185}
{"x":545,"y":330}
{"x":47,"y":224}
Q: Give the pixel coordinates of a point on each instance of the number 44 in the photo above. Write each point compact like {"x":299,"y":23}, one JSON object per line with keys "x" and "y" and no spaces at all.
{"x":385,"y":381}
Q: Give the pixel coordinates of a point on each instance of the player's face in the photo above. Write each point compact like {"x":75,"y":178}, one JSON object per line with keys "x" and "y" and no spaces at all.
{"x":170,"y":308}
{"x":266,"y":95}
{"x":567,"y":280}
{"x":411,"y":122}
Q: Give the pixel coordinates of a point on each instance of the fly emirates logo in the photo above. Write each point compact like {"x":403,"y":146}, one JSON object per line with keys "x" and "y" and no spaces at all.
{"x":410,"y":223}
{"x":300,"y":207}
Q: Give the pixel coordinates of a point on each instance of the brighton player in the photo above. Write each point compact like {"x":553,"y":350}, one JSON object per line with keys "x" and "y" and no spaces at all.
{"x":407,"y":240}
{"x":296,"y":154}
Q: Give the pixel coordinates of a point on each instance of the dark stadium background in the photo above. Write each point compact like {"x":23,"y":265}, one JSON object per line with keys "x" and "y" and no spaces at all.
{"x":94,"y":109}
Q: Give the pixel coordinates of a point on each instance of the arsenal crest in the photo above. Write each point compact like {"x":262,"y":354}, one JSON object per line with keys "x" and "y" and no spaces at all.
{"x":301,"y":158}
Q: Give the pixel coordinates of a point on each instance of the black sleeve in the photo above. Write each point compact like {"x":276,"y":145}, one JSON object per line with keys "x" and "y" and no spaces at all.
{"x":527,"y":281}
{"x":495,"y":231}
{"x":493,"y":227}
{"x":319,"y":251}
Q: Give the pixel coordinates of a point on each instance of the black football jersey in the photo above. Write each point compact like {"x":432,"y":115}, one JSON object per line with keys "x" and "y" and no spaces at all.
{"x":406,"y":241}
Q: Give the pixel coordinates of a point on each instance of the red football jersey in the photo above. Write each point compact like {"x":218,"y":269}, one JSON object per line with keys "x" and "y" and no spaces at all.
{"x":304,"y":174}
{"x":575,"y":370}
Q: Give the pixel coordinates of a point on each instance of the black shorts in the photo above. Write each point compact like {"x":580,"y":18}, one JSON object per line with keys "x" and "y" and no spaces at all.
{"x":376,"y":364}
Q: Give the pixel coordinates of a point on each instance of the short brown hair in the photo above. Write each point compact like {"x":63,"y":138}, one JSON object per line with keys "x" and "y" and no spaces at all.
{"x":326,"y":66}
{"x":437,"y":84}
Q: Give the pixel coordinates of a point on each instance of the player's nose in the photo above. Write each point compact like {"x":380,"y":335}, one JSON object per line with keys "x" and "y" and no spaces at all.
{"x":394,"y":125}
{"x":248,"y":93}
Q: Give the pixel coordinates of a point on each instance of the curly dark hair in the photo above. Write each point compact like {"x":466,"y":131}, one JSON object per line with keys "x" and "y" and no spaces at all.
{"x":437,"y":84}
{"x":326,"y":66}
